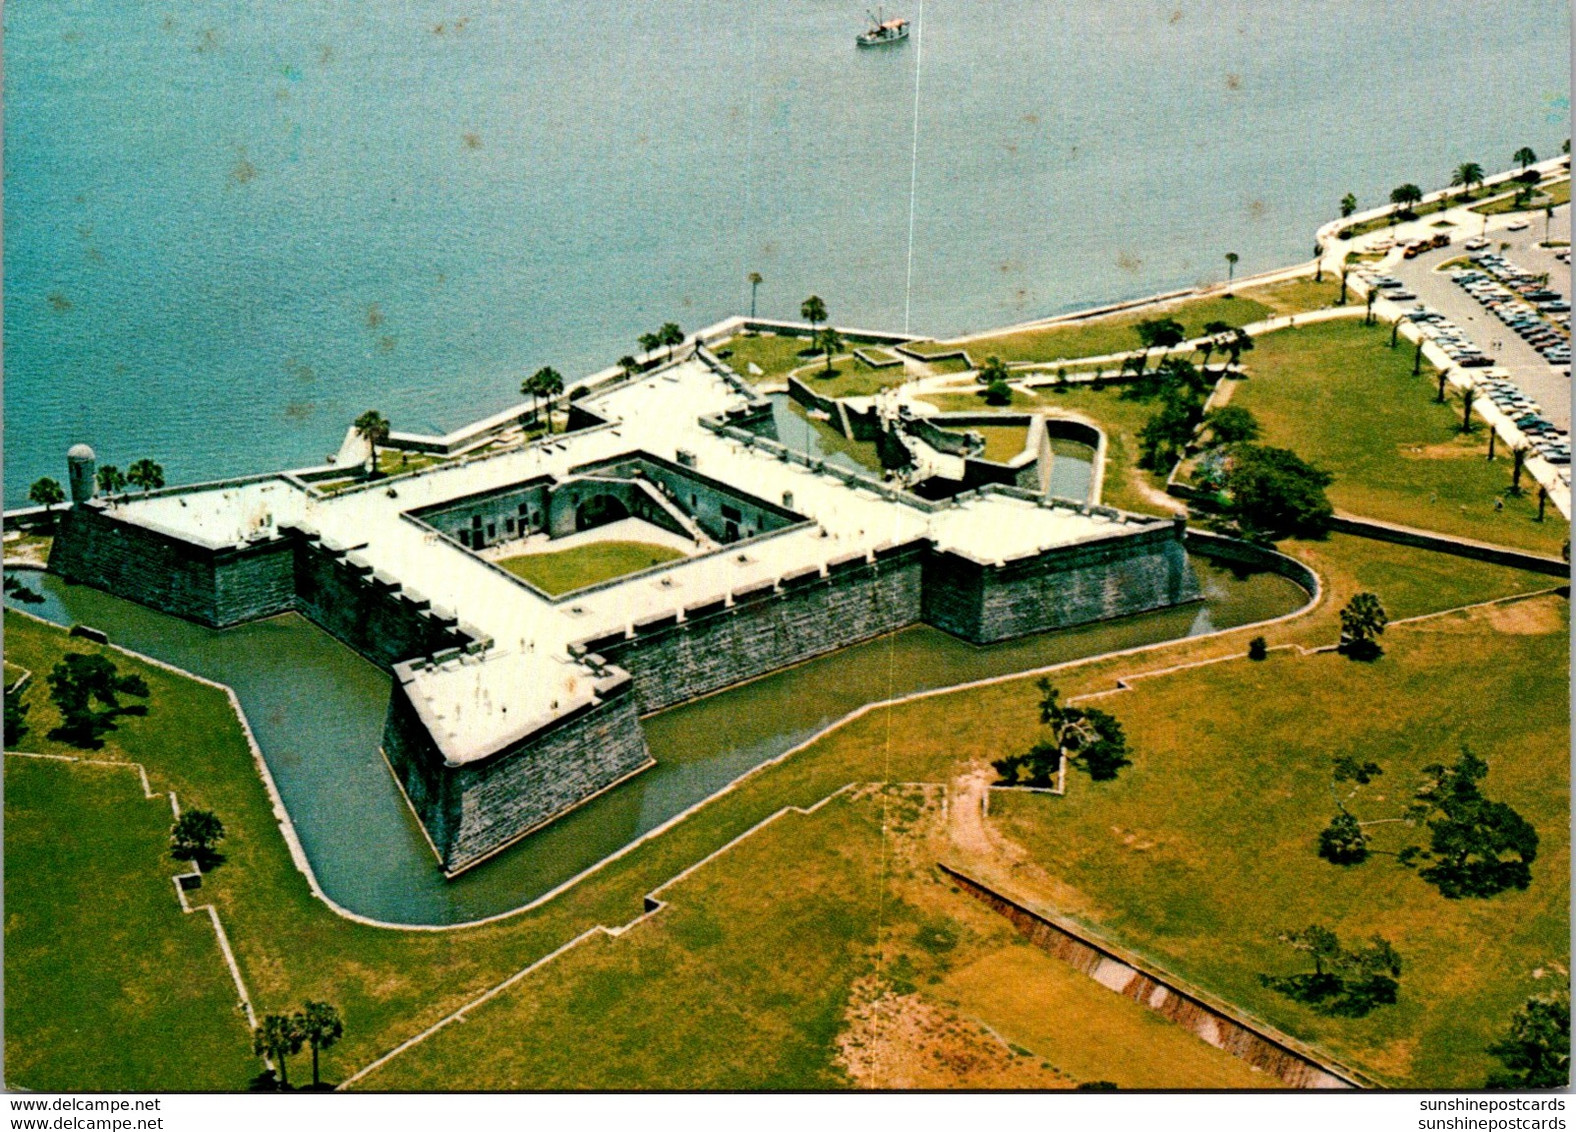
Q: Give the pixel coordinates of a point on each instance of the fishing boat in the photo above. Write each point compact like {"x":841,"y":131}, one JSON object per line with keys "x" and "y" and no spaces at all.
{"x":883,"y":30}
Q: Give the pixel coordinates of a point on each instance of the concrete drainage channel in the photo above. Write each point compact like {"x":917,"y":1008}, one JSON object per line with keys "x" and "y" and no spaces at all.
{"x":1257,"y":1044}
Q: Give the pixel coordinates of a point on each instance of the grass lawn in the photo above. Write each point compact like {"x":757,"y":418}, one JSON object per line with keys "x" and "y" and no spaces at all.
{"x":1205,"y":848}
{"x":1553,"y":193}
{"x":13,"y":673}
{"x":97,"y":950}
{"x":390,"y":985}
{"x":1335,"y":393}
{"x":1390,"y":219}
{"x":1002,"y":442}
{"x":1127,"y":486}
{"x":775,"y":354}
{"x":1110,"y":334}
{"x":393,"y":461}
{"x":559,"y":571}
{"x":1294,"y":296}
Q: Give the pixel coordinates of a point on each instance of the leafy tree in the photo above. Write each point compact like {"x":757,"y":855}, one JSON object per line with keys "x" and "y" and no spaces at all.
{"x":1233,"y":425}
{"x":1160,"y":333}
{"x":1343,"y":841}
{"x":669,"y":333}
{"x":374,"y":429}
{"x":813,"y":311}
{"x":1524,"y":156}
{"x":1403,"y":197}
{"x":829,"y":342}
{"x":998,"y":393}
{"x":111,"y":479}
{"x":1348,"y":768}
{"x":15,"y":720}
{"x":1536,"y":1051}
{"x":195,"y":837}
{"x":47,"y":493}
{"x":1348,"y":205}
{"x":1089,"y":735}
{"x":1477,"y":847}
{"x":1215,"y":334}
{"x":321,"y":1027}
{"x":1272,"y":492}
{"x":1258,"y":649}
{"x":146,"y":475}
{"x":992,"y":371}
{"x":279,"y":1036}
{"x":1166,"y":433}
{"x":1104,"y":752}
{"x":79,"y":681}
{"x":1362,"y":624}
{"x":1345,"y":983}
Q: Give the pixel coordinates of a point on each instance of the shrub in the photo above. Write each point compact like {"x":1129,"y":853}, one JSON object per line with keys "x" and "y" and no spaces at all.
{"x":1258,"y":648}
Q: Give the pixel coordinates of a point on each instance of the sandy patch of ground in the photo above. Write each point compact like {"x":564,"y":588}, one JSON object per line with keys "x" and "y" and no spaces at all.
{"x":1526,"y":618}
{"x":901,"y":1041}
{"x":1450,"y":450}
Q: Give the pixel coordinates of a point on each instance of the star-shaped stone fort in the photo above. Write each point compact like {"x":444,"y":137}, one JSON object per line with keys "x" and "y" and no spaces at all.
{"x":512,"y":706}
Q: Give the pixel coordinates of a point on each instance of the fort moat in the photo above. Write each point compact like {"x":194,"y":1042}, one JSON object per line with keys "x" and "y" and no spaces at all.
{"x":518,"y":715}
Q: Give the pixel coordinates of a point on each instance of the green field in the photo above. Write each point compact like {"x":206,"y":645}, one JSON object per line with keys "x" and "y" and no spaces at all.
{"x":1205,"y":848}
{"x":1341,"y":398}
{"x":1111,"y":334}
{"x":559,"y":571}
{"x":806,"y":888}
{"x":1002,"y":442}
{"x":1294,"y":296}
{"x":107,"y":981}
{"x":1553,"y":193}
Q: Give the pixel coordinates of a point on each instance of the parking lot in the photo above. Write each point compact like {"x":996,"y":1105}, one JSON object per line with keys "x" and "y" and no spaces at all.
{"x":1544,"y":383}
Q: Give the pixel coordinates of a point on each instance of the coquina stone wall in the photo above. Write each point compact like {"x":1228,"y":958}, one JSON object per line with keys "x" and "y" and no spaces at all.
{"x":716,"y":645}
{"x":215,"y":586}
{"x":472,"y":811}
{"x":1124,"y":573}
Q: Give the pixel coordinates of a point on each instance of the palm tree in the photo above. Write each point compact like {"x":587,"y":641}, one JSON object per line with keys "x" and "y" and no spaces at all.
{"x":1468,"y":396}
{"x":669,"y":335}
{"x":1213,"y":339}
{"x":1231,"y":266}
{"x":755,"y":281}
{"x":279,"y":1036}
{"x":1524,"y":157}
{"x":321,"y":1026}
{"x":649,"y":342}
{"x":549,"y":383}
{"x":110,"y":479}
{"x":629,"y":365}
{"x":1348,"y":205}
{"x":1239,"y":343}
{"x":828,"y":341}
{"x":532,"y":387}
{"x":813,"y":311}
{"x":145,"y":474}
{"x":1548,"y":218}
{"x":372,"y":428}
{"x":1467,"y":174}
{"x":1518,"y":454}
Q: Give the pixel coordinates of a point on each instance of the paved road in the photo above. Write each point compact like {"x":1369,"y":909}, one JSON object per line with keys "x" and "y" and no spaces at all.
{"x":1541,"y":381}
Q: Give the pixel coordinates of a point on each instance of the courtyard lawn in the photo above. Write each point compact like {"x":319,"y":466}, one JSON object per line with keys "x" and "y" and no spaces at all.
{"x":559,"y":571}
{"x":98,"y":951}
{"x":1109,"y":334}
{"x":1336,"y":394}
{"x":1204,"y":849}
{"x":1002,"y":442}
{"x":850,"y":377}
{"x":776,"y":354}
{"x":392,"y":984}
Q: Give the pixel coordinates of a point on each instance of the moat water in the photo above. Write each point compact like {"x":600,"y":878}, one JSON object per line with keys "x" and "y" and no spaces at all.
{"x":233,"y":226}
{"x":317,"y":710}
